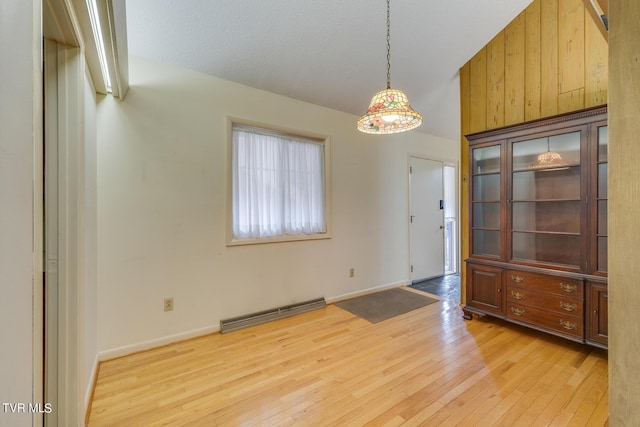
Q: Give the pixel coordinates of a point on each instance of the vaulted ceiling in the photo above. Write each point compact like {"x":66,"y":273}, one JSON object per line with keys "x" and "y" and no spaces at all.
{"x":328,"y":52}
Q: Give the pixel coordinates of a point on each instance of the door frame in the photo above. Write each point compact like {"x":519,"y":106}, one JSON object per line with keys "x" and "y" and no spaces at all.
{"x":63,"y":224}
{"x":457,"y":198}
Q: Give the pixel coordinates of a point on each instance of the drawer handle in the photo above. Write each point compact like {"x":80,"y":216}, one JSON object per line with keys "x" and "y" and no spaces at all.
{"x":568,"y":288}
{"x":517,"y":294}
{"x":568,"y":325}
{"x":517,"y":311}
{"x":517,"y":279}
{"x":566,"y":306}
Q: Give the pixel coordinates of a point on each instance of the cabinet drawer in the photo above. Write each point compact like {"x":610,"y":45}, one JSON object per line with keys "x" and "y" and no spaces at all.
{"x":567,"y":325}
{"x":559,"y":304}
{"x":545,"y":283}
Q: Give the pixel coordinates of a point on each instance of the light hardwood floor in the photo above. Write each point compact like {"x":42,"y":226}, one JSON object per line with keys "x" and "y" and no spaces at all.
{"x":330,"y":368}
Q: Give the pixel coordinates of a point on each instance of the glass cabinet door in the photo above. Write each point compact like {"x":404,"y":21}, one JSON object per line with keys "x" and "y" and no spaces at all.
{"x":546,"y":200}
{"x":601,"y":198}
{"x":486,"y":201}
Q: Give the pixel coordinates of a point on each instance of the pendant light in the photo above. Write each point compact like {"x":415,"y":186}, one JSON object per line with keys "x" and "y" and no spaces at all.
{"x":389,"y":110}
{"x":550,"y":160}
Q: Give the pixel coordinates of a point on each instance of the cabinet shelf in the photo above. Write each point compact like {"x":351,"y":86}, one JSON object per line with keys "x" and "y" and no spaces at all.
{"x":560,"y":233}
{"x":550,"y":169}
{"x":542,"y":200}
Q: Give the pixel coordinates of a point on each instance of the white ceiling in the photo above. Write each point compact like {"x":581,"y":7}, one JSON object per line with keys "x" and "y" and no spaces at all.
{"x":327,"y":52}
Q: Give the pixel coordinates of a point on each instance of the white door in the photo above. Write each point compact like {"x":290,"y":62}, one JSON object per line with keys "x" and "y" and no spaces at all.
{"x":426,"y":218}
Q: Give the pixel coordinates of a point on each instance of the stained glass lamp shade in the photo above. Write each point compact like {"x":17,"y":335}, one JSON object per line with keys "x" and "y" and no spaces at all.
{"x":550,"y":160}
{"x":389,"y":112}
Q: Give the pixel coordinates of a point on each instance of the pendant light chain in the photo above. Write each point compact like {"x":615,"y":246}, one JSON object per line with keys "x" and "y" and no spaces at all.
{"x":388,"y":46}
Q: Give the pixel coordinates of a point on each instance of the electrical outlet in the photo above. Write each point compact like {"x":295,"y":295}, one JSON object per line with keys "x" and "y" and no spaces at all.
{"x":168,"y":304}
{"x":352,"y":272}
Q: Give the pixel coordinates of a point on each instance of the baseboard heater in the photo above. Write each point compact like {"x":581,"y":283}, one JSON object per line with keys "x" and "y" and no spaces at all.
{"x":241,"y":322}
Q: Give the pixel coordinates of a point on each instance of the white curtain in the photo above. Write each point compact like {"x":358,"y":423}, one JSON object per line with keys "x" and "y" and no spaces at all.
{"x":278,"y":184}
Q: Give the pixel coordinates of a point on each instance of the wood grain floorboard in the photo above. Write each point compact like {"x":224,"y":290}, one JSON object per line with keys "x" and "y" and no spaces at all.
{"x":330,"y":368}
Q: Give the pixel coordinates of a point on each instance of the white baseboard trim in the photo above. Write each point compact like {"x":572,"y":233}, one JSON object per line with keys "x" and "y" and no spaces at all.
{"x":158,"y":342}
{"x":361,"y":292}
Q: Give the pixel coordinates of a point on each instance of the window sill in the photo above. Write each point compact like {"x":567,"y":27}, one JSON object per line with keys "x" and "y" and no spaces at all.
{"x":279,"y":239}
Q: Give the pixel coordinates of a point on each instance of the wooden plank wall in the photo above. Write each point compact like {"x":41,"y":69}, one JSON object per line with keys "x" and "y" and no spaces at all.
{"x":624,"y":205}
{"x":550,"y":59}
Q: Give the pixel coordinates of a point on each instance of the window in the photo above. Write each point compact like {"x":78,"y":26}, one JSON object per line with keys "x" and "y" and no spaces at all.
{"x":278,"y":186}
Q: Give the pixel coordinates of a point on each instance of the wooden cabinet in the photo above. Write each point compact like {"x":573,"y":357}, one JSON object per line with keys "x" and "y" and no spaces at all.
{"x":597,"y":318}
{"x":538,"y":225}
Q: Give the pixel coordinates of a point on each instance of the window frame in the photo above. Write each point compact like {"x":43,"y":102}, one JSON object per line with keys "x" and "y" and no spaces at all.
{"x":324,"y":140}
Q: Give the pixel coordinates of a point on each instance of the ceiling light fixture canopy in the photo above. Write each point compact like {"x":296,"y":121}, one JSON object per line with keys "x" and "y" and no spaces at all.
{"x":389,"y":110}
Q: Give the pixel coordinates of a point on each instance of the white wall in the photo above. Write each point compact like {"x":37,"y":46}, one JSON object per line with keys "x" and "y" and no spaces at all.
{"x":162,"y":191}
{"x":20,"y":128}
